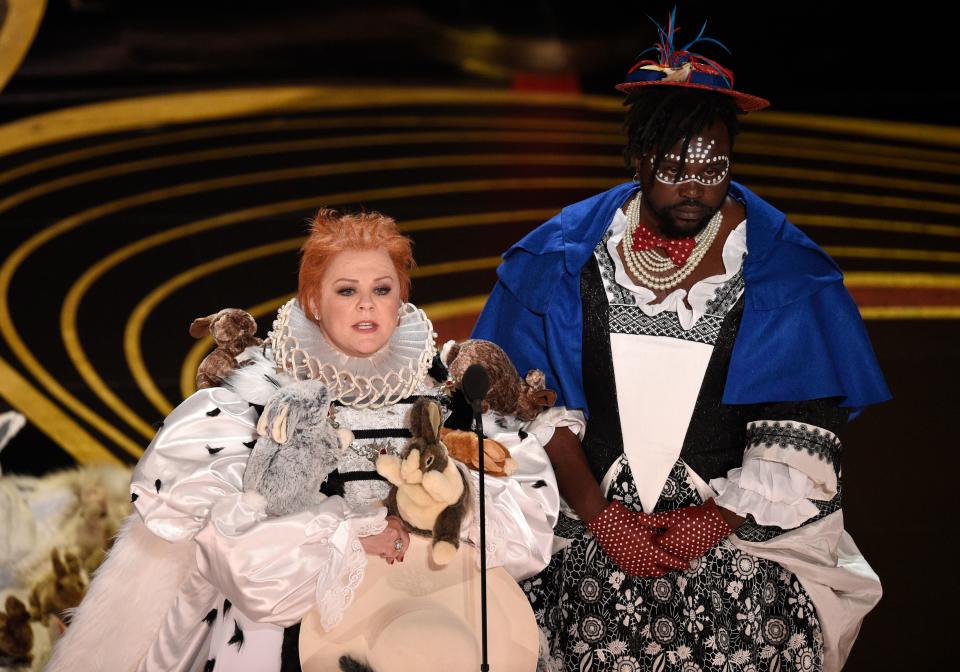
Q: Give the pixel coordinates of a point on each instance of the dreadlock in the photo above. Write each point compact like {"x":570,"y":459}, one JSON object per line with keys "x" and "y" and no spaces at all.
{"x":660,"y":116}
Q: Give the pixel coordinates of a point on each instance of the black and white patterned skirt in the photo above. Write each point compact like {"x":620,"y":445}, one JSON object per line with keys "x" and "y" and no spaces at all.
{"x":730,"y":612}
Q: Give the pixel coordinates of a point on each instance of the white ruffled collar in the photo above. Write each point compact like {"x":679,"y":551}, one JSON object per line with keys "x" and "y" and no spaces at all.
{"x":389,"y":375}
{"x":734,"y":249}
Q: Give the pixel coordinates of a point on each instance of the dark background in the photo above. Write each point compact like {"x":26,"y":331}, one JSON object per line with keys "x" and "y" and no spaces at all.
{"x":848,"y":59}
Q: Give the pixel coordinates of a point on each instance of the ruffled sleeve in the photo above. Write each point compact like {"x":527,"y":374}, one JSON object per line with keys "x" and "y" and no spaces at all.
{"x":189,"y":486}
{"x":788,"y":465}
{"x":521,"y":509}
{"x":275,"y":569}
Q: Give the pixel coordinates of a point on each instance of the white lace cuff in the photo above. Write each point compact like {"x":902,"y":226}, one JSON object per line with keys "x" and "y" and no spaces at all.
{"x":773,"y":493}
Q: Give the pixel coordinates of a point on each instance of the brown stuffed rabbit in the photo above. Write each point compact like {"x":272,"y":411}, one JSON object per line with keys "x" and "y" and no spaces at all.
{"x":233,"y":330}
{"x":63,"y":589}
{"x":16,"y":637}
{"x":429,"y":492}
{"x":508,"y":395}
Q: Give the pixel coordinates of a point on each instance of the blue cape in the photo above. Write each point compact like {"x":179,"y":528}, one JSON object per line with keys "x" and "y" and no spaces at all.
{"x":801,"y":336}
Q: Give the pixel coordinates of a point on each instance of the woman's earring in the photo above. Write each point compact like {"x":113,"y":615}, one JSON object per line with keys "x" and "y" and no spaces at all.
{"x":316,"y":317}
{"x":636,"y":175}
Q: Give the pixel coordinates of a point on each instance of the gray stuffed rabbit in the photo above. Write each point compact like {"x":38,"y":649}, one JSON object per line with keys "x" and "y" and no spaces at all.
{"x":297,"y":449}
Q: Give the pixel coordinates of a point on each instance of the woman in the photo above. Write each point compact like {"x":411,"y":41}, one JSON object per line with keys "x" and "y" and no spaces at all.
{"x":242,"y":579}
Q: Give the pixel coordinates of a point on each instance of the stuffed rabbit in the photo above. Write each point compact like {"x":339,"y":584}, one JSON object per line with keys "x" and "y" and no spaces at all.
{"x":429,"y":492}
{"x":297,"y":449}
{"x":233,"y":330}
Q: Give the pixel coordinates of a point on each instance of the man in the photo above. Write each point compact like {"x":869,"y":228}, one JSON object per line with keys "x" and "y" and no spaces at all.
{"x":712,"y":353}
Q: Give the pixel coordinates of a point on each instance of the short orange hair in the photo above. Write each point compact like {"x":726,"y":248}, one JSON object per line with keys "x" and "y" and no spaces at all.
{"x":332,"y":232}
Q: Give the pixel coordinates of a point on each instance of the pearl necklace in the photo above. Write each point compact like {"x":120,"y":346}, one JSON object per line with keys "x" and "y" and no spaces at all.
{"x":649,"y":266}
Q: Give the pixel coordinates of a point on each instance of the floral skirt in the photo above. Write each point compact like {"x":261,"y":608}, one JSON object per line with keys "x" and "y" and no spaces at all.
{"x":730,"y":612}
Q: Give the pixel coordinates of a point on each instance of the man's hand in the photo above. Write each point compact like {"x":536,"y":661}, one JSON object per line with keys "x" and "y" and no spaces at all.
{"x":691,"y":531}
{"x":628,"y":538}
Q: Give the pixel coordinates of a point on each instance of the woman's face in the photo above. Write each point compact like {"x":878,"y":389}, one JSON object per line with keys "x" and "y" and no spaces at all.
{"x":359,"y":300}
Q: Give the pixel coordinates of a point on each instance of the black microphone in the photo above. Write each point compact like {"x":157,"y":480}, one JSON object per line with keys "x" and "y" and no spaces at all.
{"x":476,"y":384}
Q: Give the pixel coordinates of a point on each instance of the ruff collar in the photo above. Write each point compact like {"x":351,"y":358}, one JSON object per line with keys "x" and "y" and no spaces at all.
{"x":389,"y":375}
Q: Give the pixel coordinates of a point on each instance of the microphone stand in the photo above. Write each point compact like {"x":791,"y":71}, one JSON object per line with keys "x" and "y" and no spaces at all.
{"x":478,"y":425}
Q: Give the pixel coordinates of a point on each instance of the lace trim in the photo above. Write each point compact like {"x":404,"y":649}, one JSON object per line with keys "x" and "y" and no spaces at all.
{"x":815,"y":441}
{"x":338,"y":598}
{"x":383,"y":379}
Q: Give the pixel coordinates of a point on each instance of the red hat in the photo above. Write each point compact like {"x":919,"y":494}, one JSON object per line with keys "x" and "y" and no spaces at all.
{"x":680,"y":67}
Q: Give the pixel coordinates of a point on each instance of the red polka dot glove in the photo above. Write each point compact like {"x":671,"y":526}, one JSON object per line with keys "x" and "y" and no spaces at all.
{"x":691,"y":531}
{"x":629,"y":541}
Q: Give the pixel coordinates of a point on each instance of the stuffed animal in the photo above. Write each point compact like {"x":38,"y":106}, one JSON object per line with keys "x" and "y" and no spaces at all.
{"x":297,"y":449}
{"x":16,"y":635}
{"x":233,"y":331}
{"x":462,"y":446}
{"x":60,"y":590}
{"x":508,"y":394}
{"x":428,"y":491}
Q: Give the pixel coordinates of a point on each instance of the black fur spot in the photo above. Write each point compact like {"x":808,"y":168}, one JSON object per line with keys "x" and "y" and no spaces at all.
{"x":237,"y":637}
{"x":226,"y":607}
{"x":540,"y":484}
{"x":209,"y":666}
{"x":214,"y":451}
{"x":250,"y":444}
{"x":522,"y":434}
{"x":157,"y":485}
{"x":214,"y":412}
{"x":210,"y":617}
{"x":133,"y":496}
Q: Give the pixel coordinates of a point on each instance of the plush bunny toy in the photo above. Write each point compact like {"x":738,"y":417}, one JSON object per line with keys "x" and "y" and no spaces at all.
{"x":429,"y":492}
{"x":297,"y":449}
{"x":233,"y":330}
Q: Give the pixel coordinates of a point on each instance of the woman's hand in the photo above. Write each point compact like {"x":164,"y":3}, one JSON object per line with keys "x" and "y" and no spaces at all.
{"x":391,"y":544}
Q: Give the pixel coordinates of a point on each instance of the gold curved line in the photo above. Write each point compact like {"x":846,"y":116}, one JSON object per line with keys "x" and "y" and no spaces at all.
{"x":911,"y":313}
{"x":8,"y":328}
{"x":810,"y":153}
{"x":16,"y":34}
{"x":76,"y":179}
{"x":868,"y":224}
{"x":795,"y":142}
{"x":128,"y":114}
{"x":847,"y":178}
{"x":875,"y":200}
{"x":832,"y":177}
{"x":890,"y":130}
{"x":134,"y":113}
{"x":910,"y":280}
{"x":418,"y":121}
{"x":850,"y":252}
{"x":134,"y":327}
{"x":754,"y":142}
{"x":49,"y":419}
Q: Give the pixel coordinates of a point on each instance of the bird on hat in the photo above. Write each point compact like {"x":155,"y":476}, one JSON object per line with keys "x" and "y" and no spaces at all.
{"x":681,"y":67}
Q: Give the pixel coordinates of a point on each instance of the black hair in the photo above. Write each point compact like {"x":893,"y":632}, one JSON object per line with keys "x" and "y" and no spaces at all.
{"x":660,"y":116}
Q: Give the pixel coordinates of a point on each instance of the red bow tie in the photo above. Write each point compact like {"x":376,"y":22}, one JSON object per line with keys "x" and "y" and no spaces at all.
{"x":678,"y":249}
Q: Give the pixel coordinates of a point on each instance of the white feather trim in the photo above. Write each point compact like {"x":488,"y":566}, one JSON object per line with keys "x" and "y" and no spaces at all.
{"x":257,"y":381}
{"x":126,"y":603}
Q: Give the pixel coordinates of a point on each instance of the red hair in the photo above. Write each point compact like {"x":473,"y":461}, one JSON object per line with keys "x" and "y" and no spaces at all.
{"x":332,"y":232}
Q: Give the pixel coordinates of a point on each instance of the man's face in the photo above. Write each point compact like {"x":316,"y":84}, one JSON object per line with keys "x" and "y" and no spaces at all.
{"x":682,"y":201}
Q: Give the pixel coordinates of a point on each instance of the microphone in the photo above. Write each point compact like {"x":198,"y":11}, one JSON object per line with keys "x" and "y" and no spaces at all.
{"x":476,"y":384}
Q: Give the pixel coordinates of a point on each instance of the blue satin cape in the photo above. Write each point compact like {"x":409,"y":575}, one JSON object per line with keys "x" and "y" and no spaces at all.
{"x":801,"y":336}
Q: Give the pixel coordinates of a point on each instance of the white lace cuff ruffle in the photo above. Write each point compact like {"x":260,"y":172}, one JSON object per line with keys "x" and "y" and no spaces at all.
{"x":772,"y":492}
